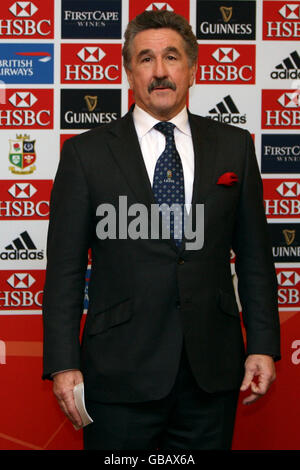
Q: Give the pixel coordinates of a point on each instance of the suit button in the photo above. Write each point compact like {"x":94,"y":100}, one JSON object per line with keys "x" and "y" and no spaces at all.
{"x":181,"y":261}
{"x":178,"y":304}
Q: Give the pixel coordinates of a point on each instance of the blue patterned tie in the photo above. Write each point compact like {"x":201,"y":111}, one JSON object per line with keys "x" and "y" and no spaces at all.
{"x":168,"y":181}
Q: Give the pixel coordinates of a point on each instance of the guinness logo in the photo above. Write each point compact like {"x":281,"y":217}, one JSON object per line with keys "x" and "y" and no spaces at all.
{"x":226,"y":13}
{"x":91,"y":102}
{"x":289,"y":236}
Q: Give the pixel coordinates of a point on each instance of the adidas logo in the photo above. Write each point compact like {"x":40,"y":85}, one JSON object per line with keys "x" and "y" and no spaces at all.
{"x":22,"y":248}
{"x":289,"y":68}
{"x":227,"y":111}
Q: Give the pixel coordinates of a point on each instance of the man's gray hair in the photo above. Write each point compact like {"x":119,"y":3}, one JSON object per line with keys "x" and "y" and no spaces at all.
{"x":156,"y":20}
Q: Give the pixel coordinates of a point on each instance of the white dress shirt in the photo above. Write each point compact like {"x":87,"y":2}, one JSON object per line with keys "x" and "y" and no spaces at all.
{"x":153,"y":142}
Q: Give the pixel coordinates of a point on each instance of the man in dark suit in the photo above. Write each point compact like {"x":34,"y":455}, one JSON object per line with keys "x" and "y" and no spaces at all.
{"x":162,"y":356}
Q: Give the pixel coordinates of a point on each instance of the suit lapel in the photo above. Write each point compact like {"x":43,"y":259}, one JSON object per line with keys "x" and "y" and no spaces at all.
{"x":127,"y":153}
{"x":204,"y":157}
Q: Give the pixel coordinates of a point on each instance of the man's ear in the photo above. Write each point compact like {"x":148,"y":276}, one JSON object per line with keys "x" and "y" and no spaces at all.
{"x":129,"y":77}
{"x":193,"y":74}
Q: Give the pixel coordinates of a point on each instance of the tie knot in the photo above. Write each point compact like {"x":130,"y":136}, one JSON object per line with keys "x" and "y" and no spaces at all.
{"x":166,"y":128}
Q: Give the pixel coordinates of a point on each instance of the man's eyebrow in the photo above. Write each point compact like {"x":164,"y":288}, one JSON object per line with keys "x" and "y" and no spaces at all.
{"x":172,"y":49}
{"x":166,"y":50}
{"x":143,"y":52}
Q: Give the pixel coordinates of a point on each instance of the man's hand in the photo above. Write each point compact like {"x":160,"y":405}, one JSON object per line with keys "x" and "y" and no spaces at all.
{"x":262,"y":367}
{"x":63,"y":384}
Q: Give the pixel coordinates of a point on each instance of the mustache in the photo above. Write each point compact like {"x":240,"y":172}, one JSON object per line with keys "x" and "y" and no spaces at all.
{"x":161,"y":82}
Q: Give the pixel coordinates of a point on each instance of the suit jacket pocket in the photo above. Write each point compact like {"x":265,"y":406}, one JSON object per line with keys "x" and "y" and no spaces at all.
{"x":227,"y":304}
{"x":112,"y":316}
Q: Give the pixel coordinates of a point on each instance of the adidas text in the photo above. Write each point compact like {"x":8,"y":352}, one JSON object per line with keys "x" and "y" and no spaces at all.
{"x":229,"y":118}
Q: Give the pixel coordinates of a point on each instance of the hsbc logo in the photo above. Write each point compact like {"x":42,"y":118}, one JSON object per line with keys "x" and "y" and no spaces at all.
{"x":179,"y":6}
{"x":288,"y":287}
{"x":21,"y":280}
{"x":225,"y":55}
{"x":288,"y":278}
{"x":159,"y":6}
{"x":21,"y":290}
{"x":82,"y":64}
{"x":280,"y":109}
{"x":289,"y":189}
{"x":282,"y":200}
{"x":281,"y":20}
{"x":23,"y":9}
{"x":290,"y":100}
{"x":27,"y":109}
{"x":22,"y":100}
{"x":22,"y":190}
{"x":230,"y":64}
{"x":27,"y":20}
{"x":91,"y":54}
{"x":290,"y":11}
{"x":25,"y":200}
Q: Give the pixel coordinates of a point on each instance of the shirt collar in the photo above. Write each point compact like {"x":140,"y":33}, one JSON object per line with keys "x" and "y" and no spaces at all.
{"x":144,"y":122}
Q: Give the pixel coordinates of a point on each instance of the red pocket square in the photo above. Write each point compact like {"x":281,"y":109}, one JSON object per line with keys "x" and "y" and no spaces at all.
{"x":228,"y":179}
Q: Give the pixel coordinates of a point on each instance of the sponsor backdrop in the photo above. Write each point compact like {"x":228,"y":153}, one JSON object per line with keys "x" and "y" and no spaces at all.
{"x":61,"y":74}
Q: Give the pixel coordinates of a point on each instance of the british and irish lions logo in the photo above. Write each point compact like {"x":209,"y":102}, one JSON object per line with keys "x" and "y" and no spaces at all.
{"x":22,"y":155}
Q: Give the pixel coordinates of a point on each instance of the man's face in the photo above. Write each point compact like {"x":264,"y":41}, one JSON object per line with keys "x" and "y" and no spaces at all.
{"x":160,"y":74}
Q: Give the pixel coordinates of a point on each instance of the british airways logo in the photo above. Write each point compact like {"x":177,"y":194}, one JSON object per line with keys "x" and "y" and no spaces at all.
{"x":30,"y":63}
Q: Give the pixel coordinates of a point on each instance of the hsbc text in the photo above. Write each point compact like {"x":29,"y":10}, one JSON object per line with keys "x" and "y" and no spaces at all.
{"x":25,"y":118}
{"x":285,"y":29}
{"x":24,"y":209}
{"x":24,"y":28}
{"x":282,"y":207}
{"x":282,"y":118}
{"x":288,"y":296}
{"x":228,"y":73}
{"x":21,"y":298}
{"x":91,"y":72}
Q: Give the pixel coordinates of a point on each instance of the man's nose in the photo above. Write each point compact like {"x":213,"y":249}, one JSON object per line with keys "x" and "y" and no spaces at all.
{"x":160,"y":70}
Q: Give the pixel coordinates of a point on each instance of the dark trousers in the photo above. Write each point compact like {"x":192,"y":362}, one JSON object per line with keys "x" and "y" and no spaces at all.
{"x":187,"y":418}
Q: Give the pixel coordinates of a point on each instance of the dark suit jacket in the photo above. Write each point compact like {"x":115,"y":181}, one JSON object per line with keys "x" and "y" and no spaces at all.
{"x":146,"y":295}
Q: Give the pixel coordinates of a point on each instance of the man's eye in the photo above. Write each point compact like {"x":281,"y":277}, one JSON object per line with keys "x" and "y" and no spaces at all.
{"x":146,"y":59}
{"x":171,"y":57}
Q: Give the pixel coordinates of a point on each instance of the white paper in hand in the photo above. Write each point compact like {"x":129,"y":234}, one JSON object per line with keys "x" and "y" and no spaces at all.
{"x":78,"y":392}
